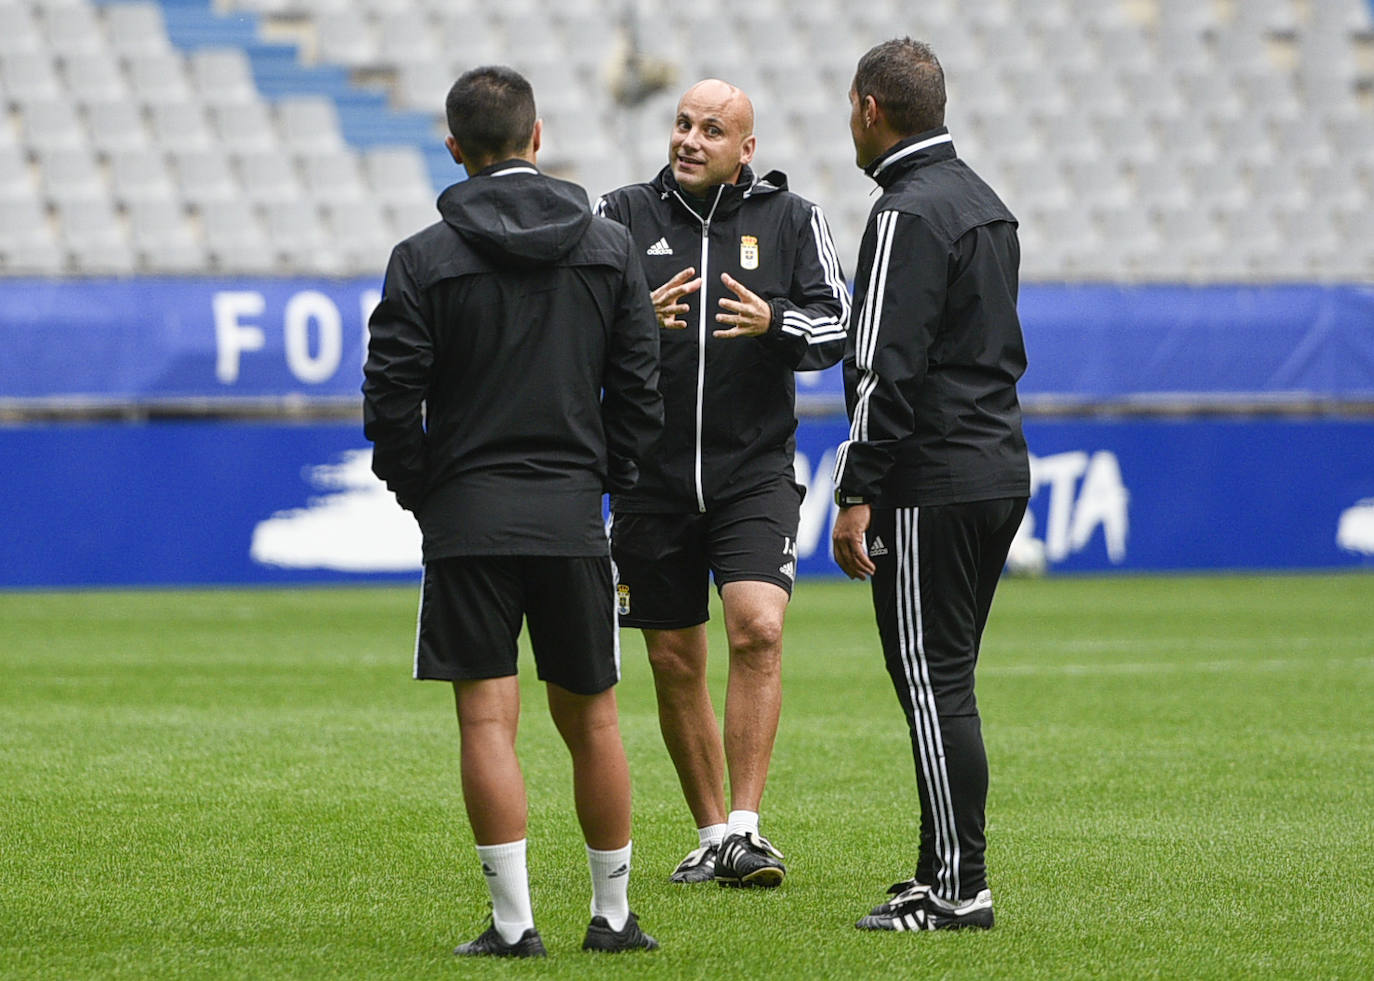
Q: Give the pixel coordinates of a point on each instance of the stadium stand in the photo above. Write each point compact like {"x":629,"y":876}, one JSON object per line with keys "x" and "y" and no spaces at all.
{"x":1138,"y":140}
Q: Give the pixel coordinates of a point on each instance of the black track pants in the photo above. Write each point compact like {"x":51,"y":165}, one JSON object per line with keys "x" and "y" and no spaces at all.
{"x":937,"y":571}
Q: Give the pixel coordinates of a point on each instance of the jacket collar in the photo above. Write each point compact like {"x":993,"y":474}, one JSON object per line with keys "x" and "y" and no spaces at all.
{"x":512,"y":166}
{"x":915,"y":151}
{"x":723,"y":199}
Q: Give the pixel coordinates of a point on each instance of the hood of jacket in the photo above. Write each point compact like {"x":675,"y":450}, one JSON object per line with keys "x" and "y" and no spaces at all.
{"x":515,"y":215}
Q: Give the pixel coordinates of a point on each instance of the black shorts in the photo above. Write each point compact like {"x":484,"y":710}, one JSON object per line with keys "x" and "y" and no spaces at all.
{"x":471,"y":608}
{"x":664,"y":562}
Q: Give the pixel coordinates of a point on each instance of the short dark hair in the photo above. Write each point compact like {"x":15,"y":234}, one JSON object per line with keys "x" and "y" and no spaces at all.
{"x":491,"y":112}
{"x":905,"y":78}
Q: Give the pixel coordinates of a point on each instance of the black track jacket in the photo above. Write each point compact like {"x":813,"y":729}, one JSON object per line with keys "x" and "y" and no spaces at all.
{"x":932,"y":362}
{"x":512,"y":369}
{"x":730,"y":403}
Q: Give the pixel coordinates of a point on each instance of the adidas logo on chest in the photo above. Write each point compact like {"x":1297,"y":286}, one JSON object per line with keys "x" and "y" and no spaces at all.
{"x":661,"y":247}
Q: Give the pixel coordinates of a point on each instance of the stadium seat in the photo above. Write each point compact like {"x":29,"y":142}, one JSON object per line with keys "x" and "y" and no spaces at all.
{"x":19,"y":33}
{"x":72,"y":31}
{"x":403,"y":36}
{"x":135,"y":28}
{"x":27,"y":244}
{"x":295,"y":235}
{"x":234,"y":239}
{"x":244,"y":127}
{"x":115,"y":126}
{"x":222,"y":76}
{"x":181,"y":126}
{"x":140,"y":176}
{"x":158,"y":78}
{"x":93,"y":237}
{"x":332,"y":176}
{"x":162,"y":239}
{"x":267,"y":177}
{"x":29,"y":76}
{"x":360,"y":234}
{"x":308,"y":123}
{"x":396,"y":174}
{"x":344,"y":37}
{"x":204,"y":177}
{"x":51,"y":126}
{"x":16,"y":180}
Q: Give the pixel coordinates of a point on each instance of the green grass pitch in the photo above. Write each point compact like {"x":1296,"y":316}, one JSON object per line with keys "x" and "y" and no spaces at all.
{"x":247,"y":784}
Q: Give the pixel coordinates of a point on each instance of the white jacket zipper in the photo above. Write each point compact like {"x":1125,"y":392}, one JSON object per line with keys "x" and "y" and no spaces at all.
{"x":701,"y":336}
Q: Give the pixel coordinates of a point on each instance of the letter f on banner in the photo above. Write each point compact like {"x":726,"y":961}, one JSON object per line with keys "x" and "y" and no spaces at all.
{"x":231,"y":337}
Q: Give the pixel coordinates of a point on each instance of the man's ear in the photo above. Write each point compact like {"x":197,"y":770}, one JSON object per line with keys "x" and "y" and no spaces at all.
{"x":747,"y":151}
{"x":872,"y":112}
{"x":454,"y":149}
{"x":538,"y":136}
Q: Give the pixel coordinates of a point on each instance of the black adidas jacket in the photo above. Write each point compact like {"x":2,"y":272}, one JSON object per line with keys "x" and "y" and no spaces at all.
{"x":512,"y":369}
{"x":935,"y":352}
{"x":729,"y":403}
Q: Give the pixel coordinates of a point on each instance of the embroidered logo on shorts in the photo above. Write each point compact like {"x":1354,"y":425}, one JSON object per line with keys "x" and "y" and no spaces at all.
{"x":789,"y":569}
{"x":876,"y":547}
{"x":622,"y":599}
{"x":748,"y":252}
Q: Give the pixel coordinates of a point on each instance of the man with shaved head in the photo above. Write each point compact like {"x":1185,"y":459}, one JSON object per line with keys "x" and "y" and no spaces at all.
{"x":748,"y":290}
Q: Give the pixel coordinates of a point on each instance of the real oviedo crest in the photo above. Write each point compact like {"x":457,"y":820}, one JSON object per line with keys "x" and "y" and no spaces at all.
{"x":748,"y":252}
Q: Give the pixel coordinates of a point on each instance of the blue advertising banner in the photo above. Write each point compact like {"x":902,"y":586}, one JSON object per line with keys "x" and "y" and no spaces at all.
{"x":142,"y":341}
{"x":203,"y":502}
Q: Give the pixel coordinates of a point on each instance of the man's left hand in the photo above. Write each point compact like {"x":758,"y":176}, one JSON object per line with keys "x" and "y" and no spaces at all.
{"x":749,"y":316}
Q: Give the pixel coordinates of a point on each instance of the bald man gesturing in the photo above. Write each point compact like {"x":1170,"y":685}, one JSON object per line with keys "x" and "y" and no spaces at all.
{"x":750,"y":291}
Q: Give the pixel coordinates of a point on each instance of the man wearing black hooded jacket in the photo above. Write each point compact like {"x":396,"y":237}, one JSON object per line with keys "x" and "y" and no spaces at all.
{"x":751,"y":291}
{"x":511,"y":379}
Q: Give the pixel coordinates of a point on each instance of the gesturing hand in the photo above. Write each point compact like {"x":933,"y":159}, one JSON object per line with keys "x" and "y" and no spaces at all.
{"x":749,"y":316}
{"x":666,"y":297}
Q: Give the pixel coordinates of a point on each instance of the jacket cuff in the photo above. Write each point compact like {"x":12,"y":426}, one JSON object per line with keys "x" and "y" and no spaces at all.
{"x":775,"y":311}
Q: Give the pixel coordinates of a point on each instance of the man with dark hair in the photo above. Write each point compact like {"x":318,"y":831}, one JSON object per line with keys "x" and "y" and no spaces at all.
{"x":751,"y":291}
{"x":511,"y":379}
{"x":934,"y":478}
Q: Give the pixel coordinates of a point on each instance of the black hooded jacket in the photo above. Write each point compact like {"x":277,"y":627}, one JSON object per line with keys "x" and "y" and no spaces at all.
{"x":729,"y":403}
{"x":512,"y":369}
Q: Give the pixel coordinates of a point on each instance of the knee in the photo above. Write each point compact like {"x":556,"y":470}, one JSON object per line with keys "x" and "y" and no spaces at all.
{"x":757,"y":639}
{"x":676,"y":664}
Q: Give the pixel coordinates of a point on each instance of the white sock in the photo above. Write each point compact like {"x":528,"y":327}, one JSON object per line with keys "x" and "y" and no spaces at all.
{"x":712,"y":834}
{"x":611,"y":884}
{"x":742,"y":822}
{"x":508,"y":881}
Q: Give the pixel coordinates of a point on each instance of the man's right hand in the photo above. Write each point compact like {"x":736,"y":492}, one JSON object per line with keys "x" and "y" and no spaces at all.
{"x":666,"y":298}
{"x":847,"y":541}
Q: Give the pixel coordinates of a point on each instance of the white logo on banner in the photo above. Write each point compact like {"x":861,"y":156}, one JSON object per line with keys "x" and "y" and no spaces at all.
{"x":1076,"y":509}
{"x":358,"y":528}
{"x":1355,"y":531}
{"x":1086,"y":492}
{"x":818,"y":504}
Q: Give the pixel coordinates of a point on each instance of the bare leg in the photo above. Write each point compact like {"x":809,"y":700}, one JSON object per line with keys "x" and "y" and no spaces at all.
{"x":754,"y":613}
{"x":688,"y":720}
{"x":493,"y":786}
{"x":601,"y":778}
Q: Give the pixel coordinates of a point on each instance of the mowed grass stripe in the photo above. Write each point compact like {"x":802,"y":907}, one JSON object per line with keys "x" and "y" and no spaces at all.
{"x":248,"y":784}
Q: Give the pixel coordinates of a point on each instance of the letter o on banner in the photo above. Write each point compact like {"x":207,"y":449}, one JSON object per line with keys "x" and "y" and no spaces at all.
{"x":303,"y":309}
